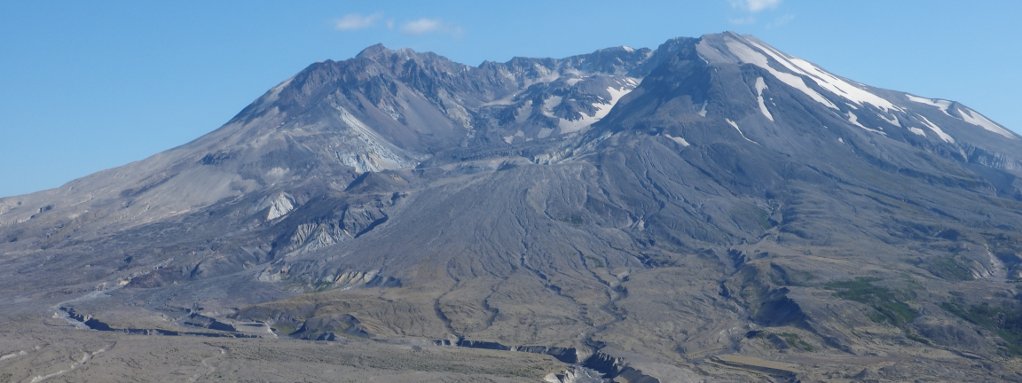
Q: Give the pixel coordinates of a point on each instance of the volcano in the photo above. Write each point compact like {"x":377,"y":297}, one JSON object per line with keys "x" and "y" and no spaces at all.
{"x":710,"y":210}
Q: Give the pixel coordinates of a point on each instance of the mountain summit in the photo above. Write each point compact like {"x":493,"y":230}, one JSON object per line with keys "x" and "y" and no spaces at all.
{"x":713,"y":209}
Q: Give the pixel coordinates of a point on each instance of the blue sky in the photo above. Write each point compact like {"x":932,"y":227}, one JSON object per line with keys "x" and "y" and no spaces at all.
{"x":93,"y":85}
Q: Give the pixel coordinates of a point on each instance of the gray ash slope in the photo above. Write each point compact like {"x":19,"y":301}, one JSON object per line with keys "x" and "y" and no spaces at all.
{"x":713,"y":208}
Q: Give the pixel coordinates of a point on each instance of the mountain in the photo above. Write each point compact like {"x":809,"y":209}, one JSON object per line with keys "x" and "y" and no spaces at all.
{"x":710,"y":210}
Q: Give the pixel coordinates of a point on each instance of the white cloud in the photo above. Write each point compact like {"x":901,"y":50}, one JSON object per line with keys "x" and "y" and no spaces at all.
{"x":749,"y":20}
{"x":421,"y":26}
{"x":424,"y":26}
{"x":781,"y":21}
{"x":353,"y":21}
{"x":754,"y":6}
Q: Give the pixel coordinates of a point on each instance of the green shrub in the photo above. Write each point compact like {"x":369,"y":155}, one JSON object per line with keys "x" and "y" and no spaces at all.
{"x":1005,"y":321}
{"x":886,"y":305}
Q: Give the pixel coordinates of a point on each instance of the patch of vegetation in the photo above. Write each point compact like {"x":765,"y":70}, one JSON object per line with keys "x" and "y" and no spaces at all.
{"x":322,"y":285}
{"x":790,"y":340}
{"x":796,"y":341}
{"x":785,"y":275}
{"x":1005,"y":321}
{"x":749,"y":214}
{"x":284,"y":328}
{"x":595,"y":262}
{"x":887,"y":306}
{"x":575,"y":219}
{"x":949,"y":268}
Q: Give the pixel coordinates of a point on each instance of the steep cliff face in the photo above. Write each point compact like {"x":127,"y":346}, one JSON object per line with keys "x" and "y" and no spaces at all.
{"x":694,"y":210}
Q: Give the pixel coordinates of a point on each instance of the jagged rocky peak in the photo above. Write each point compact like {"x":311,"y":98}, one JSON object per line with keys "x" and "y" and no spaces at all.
{"x":407,"y":63}
{"x":621,"y":60}
{"x":381,"y":53}
{"x":374,"y":51}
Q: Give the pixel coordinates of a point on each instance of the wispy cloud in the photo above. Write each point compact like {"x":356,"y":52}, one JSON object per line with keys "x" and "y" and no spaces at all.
{"x":355,"y":21}
{"x":781,"y":21}
{"x":750,"y":11}
{"x":425,"y":25}
{"x":416,"y":27}
{"x":748,"y":20}
{"x":754,"y":6}
{"x":421,"y":26}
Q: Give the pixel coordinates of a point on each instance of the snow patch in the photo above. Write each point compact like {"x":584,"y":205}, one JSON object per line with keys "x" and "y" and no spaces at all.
{"x":890,"y":120}
{"x":836,"y":85}
{"x":681,"y":141}
{"x":584,"y":121}
{"x":943,"y":105}
{"x":917,"y":131}
{"x":760,"y":86}
{"x":937,"y":130}
{"x":702,"y":111}
{"x":855,"y":121}
{"x":826,"y":80}
{"x":981,"y":121}
{"x":748,"y":55}
{"x":735,"y":125}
